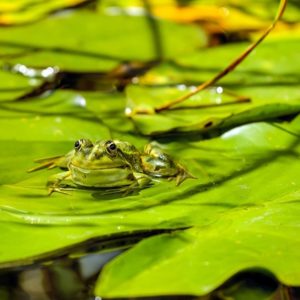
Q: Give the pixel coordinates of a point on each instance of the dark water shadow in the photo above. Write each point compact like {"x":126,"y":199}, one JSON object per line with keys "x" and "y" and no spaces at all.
{"x":120,"y":240}
{"x":213,"y":132}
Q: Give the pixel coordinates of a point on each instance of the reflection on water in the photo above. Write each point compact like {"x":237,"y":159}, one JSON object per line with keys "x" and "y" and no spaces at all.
{"x":61,"y":279}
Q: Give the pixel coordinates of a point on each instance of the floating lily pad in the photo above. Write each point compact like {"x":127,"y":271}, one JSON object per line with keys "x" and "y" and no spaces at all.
{"x":97,"y":41}
{"x":228,"y":170}
{"x":241,"y":211}
{"x":61,"y":116}
{"x":13,"y":86}
{"x":250,"y":237}
{"x":257,"y":227}
{"x":263,"y":78}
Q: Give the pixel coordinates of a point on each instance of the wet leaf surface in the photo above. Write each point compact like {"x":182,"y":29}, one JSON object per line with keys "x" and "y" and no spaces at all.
{"x":253,"y":80}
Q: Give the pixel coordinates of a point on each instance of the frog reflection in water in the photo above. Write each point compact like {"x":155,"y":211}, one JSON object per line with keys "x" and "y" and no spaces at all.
{"x":111,"y":164}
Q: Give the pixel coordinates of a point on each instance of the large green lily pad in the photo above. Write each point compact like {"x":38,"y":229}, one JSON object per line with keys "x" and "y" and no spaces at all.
{"x":259,"y":228}
{"x":227,"y":195}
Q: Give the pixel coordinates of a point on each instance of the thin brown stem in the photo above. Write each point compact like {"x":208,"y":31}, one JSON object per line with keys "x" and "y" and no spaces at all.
{"x":231,"y":66}
{"x":209,"y":105}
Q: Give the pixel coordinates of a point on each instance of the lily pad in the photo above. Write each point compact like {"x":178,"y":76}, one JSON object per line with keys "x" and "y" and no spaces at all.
{"x":126,"y":38}
{"x":225,"y":167}
{"x":241,"y":211}
{"x":244,"y":238}
{"x":254,"y":80}
{"x":257,"y":228}
{"x":13,"y":86}
{"x":58,"y":117}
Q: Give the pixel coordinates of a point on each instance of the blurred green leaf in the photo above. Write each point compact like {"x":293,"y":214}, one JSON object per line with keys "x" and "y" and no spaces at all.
{"x":23,"y":11}
{"x":13,"y":86}
{"x":97,"y":42}
{"x":266,"y":9}
{"x":273,"y":62}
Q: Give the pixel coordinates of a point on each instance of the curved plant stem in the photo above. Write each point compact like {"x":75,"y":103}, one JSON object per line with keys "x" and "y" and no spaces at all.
{"x":231,"y":66}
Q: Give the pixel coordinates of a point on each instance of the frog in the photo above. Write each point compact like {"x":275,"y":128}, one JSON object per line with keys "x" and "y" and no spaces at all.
{"x":111,"y":164}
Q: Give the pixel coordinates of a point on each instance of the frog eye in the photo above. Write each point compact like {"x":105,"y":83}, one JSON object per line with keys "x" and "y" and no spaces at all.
{"x":77,"y":144}
{"x":111,"y":147}
{"x":83,"y":143}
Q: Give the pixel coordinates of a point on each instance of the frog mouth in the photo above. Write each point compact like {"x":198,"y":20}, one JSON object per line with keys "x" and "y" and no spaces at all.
{"x":100,"y":167}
